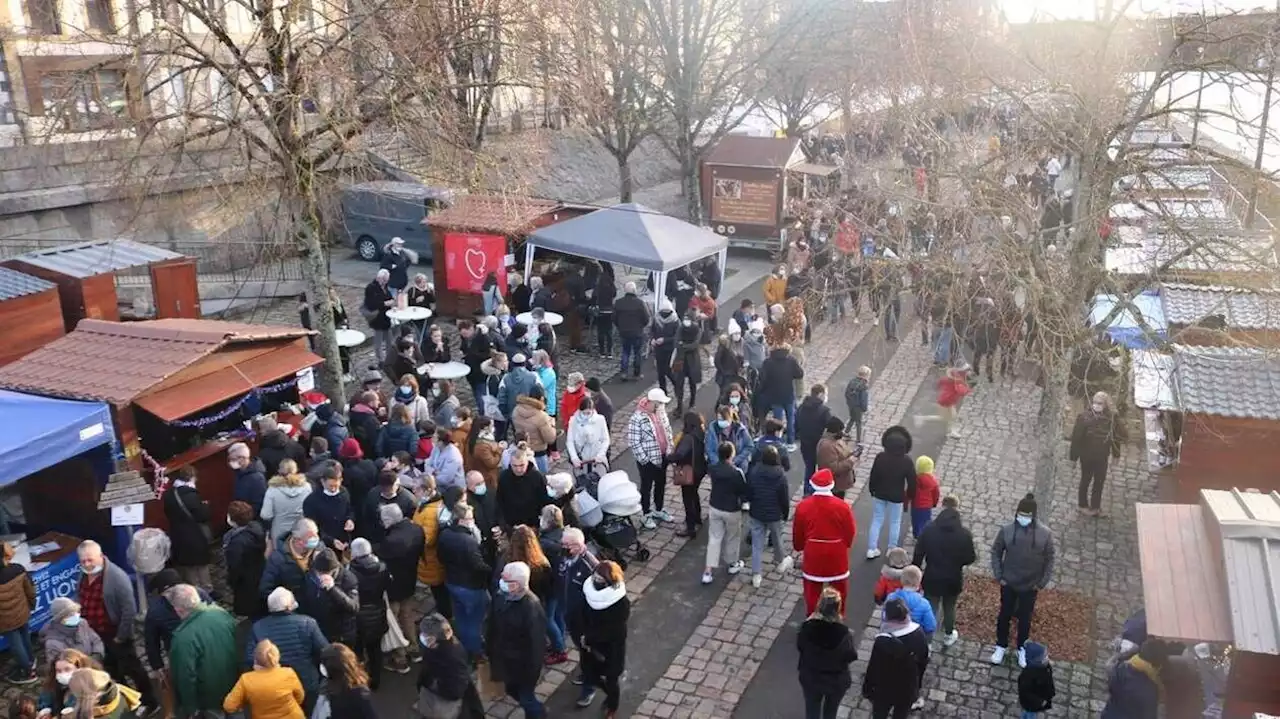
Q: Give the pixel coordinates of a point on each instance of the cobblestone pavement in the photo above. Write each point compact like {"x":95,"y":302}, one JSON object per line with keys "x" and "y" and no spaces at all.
{"x":990,"y":467}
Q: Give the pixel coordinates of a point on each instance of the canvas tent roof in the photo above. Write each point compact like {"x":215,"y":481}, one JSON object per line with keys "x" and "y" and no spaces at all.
{"x":631,"y":234}
{"x":51,"y":430}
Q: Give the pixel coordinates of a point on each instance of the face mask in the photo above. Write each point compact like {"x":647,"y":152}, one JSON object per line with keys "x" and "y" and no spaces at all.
{"x":1098,"y":407}
{"x":551,"y":493}
{"x":91,"y":572}
{"x":64,"y":678}
{"x":435,"y":391}
{"x":72,"y":621}
{"x":688,"y":323}
{"x":480,"y":490}
{"x":313,"y":542}
{"x":324,"y":672}
{"x":333,"y":492}
{"x":504,"y":586}
{"x":1024,"y":520}
{"x":426,"y":641}
{"x":734,"y":400}
{"x":722,"y":423}
{"x":407,"y":389}
{"x":231,"y":522}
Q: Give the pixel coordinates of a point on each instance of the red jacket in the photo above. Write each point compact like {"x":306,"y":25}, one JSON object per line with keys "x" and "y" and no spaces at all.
{"x":890,"y":581}
{"x":927,"y":493}
{"x":950,"y":390}
{"x":824,"y":529}
{"x":569,"y":402}
{"x":425,"y":445}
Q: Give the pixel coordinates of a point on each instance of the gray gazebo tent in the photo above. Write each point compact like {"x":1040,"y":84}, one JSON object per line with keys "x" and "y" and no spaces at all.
{"x":634,"y":235}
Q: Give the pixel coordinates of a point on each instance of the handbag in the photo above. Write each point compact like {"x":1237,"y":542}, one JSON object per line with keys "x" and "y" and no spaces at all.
{"x":394,"y":638}
{"x":682,"y":476}
{"x":368,"y":314}
{"x":205,"y":531}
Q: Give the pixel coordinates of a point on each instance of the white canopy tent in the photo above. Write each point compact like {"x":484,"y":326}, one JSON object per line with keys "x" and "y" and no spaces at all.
{"x":635,"y":235}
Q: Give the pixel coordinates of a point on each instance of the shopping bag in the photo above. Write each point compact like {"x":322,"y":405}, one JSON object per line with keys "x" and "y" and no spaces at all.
{"x":322,"y":708}
{"x":394,"y":638}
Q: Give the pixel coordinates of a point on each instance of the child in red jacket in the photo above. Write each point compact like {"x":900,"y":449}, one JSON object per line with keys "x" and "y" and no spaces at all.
{"x":952,"y":387}
{"x":926,"y":497}
{"x":890,"y":579}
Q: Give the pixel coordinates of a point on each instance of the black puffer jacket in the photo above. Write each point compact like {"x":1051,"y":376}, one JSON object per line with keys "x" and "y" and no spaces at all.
{"x":893,"y":474}
{"x":462,"y":557}
{"x":1095,"y":436}
{"x":187,"y":527}
{"x":777,"y":379}
{"x":243,"y":549}
{"x":372,"y":580}
{"x":275,"y":447}
{"x":334,"y":609}
{"x":401,"y":548}
{"x":811,"y":423}
{"x":826,"y":651}
{"x":943,"y":550}
{"x":767,"y":493}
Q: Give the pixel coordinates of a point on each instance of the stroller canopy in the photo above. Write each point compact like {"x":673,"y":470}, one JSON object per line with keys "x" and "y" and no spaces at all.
{"x":618,"y":495}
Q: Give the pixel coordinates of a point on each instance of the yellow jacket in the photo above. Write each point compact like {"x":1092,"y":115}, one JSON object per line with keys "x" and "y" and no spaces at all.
{"x":775,"y":291}
{"x":430,"y":571}
{"x":268,"y":693}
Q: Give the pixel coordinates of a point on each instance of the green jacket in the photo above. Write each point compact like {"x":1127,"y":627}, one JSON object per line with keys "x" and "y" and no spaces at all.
{"x":204,"y":660}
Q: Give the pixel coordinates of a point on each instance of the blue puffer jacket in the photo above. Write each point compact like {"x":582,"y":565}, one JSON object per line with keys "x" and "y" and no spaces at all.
{"x":518,"y":382}
{"x":743,"y":445}
{"x":919,"y":608}
{"x":299,"y":640}
{"x":547,"y":376}
{"x":397,"y":437}
{"x":767,"y":493}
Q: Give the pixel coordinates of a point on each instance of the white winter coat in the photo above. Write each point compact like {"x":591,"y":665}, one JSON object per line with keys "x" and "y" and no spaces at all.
{"x":588,"y":439}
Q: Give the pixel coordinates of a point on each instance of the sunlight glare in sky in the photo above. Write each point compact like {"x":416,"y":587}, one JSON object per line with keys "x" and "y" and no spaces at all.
{"x":1018,"y":11}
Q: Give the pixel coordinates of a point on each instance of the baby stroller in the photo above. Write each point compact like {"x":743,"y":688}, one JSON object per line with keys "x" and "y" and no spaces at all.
{"x":607,"y":508}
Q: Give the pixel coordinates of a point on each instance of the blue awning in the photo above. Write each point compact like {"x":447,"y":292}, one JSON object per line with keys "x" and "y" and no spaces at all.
{"x":1124,"y":328}
{"x":39,"y":432}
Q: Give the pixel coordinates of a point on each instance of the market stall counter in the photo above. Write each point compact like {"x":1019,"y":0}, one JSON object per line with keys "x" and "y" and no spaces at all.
{"x":51,"y":561}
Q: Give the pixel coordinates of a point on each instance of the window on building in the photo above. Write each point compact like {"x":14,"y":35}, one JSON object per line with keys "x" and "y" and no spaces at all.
{"x":44,"y":17}
{"x":90,"y":100}
{"x":101,"y":16}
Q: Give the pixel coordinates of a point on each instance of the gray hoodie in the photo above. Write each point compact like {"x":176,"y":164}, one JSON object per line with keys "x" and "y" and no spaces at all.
{"x":282,"y":505}
{"x":57,"y":636}
{"x":1022,"y":557}
{"x":753,"y":350}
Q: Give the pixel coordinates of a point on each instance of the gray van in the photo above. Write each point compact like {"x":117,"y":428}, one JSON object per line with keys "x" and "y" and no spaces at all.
{"x":374,"y":212}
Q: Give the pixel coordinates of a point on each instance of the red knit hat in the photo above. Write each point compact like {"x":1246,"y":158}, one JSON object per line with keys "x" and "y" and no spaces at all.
{"x":350,"y":449}
{"x":823,"y":479}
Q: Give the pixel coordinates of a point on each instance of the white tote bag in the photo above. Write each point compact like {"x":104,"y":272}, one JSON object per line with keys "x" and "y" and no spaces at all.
{"x":394,"y":638}
{"x":322,"y":708}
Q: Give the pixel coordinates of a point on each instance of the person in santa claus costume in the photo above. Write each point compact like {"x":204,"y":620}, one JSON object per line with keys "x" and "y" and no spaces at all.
{"x":823,"y":531}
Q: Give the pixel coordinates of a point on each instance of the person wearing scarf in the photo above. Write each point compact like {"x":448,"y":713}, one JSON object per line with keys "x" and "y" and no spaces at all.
{"x":604,"y":636}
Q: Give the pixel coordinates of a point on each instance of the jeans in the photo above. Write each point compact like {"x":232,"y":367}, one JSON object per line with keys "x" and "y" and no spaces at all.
{"x":892,"y":311}
{"x":786,"y":412}
{"x":370,"y":649}
{"x":20,"y":647}
{"x":835,"y":307}
{"x":541,"y":463}
{"x":1029,"y":715}
{"x":947,"y":617}
{"x":1093,"y":474}
{"x":919,"y":518}
{"x":810,"y":456}
{"x":555,"y":625}
{"x":1015,"y":603}
{"x":819,"y":705}
{"x":878,"y":509}
{"x":383,"y":346}
{"x":758,"y":531}
{"x":632,"y":352}
{"x":653,"y":480}
{"x":604,"y":333}
{"x":469,"y":609}
{"x":723,"y":530}
{"x":662,"y":360}
{"x":527,"y":699}
{"x":692,"y":506}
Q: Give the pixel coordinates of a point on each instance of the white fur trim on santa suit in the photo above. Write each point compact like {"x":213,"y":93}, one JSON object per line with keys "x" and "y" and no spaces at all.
{"x":829,"y":578}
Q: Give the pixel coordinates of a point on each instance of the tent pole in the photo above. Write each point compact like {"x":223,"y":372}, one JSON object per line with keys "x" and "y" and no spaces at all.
{"x":528,"y":260}
{"x":723,"y":258}
{"x":659,"y":289}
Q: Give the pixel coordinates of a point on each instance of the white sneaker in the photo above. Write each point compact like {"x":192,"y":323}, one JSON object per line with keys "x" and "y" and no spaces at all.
{"x":873,"y":553}
{"x":707,"y":578}
{"x":917,"y":705}
{"x":756,"y":579}
{"x":792,"y":447}
{"x":875,"y":322}
{"x":1022,"y":658}
{"x":648,"y":522}
{"x":736,"y":567}
{"x":663,"y":515}
{"x":997,"y":656}
{"x":949,"y":639}
{"x":786,"y":565}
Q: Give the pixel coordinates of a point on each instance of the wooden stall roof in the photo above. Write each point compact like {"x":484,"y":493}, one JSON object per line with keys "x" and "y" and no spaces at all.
{"x":185,"y":395}
{"x":496,"y":214}
{"x":1182,"y":585}
{"x":1248,"y":524}
{"x":14,"y":284}
{"x":119,"y":361}
{"x":88,"y":259}
{"x":753,"y":151}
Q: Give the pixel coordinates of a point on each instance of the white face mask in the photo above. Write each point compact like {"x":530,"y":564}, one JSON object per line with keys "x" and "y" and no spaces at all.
{"x":231,"y":522}
{"x":64,"y":678}
{"x":1099,"y":407}
{"x":332,"y":492}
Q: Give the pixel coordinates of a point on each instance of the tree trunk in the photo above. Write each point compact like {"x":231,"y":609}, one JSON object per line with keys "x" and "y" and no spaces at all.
{"x":315,"y":271}
{"x":626,"y":184}
{"x":1049,"y":421}
{"x":689,"y":180}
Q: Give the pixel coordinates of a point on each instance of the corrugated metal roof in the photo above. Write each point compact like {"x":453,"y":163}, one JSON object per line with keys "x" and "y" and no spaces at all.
{"x":118,"y":361}
{"x":1241,"y":308}
{"x":1187,"y":178}
{"x":18,"y":284}
{"x":499,"y":214}
{"x":1182,"y":587}
{"x":403,"y":189}
{"x":1142,"y":251}
{"x":1249,"y":526}
{"x":1227,"y":381}
{"x":86,"y":259}
{"x":753,"y":151}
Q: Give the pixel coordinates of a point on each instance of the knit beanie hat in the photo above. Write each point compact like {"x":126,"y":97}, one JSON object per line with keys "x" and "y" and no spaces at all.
{"x":61,"y":608}
{"x":350,"y":449}
{"x":1036,"y":653}
{"x":1027,"y":505}
{"x":924,"y":465}
{"x":897,"y":558}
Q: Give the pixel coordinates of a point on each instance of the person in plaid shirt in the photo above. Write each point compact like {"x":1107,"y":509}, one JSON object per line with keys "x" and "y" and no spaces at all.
{"x":107,"y":604}
{"x":649,"y":436}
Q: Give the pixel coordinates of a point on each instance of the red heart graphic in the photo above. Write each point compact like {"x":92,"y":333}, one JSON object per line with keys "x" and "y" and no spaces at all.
{"x":476,"y":269}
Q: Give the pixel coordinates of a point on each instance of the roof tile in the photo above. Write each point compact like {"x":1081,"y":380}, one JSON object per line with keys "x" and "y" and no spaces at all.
{"x":503,"y":215}
{"x":1227,"y":381}
{"x":15,"y":284}
{"x":753,"y":151}
{"x":1242,"y":308}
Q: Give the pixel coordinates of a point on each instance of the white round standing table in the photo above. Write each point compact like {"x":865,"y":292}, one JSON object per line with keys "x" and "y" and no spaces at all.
{"x":551,"y":318}
{"x":445,"y":370}
{"x":350,"y":338}
{"x":408,"y":314}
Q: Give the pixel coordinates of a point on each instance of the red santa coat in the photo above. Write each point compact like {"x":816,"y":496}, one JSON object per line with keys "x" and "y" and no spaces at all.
{"x":824,"y":530}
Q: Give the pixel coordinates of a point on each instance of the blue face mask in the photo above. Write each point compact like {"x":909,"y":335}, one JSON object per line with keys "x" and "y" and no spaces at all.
{"x":551,"y":493}
{"x":735,"y":400}
{"x":72,"y":621}
{"x":313,"y":542}
{"x":722,"y":423}
{"x":504,"y":586}
{"x":1024,"y":520}
{"x":480,"y":490}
